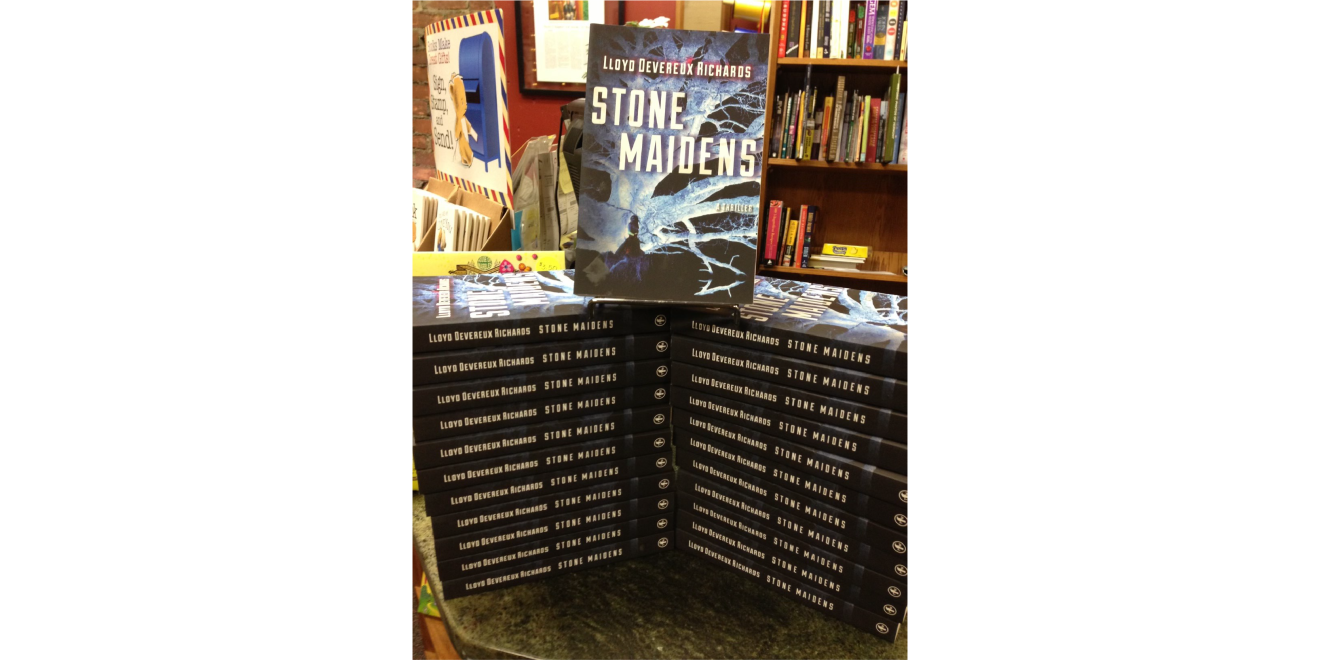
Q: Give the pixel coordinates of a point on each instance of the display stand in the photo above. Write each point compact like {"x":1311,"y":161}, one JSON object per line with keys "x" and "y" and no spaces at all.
{"x":595,"y":304}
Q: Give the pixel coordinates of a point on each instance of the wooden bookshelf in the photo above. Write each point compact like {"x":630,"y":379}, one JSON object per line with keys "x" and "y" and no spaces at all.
{"x":860,"y":203}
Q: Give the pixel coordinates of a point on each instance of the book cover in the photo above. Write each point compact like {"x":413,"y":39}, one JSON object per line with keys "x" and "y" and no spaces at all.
{"x":898,"y":124}
{"x":801,"y":239}
{"x":794,"y":21}
{"x":537,"y":507}
{"x":783,"y":29}
{"x":573,"y":541}
{"x":532,"y":437}
{"x":670,"y":199}
{"x":798,"y":590}
{"x":862,"y":330}
{"x":868,"y":30}
{"x":771,"y":243}
{"x":482,"y":471}
{"x":463,"y":395}
{"x":891,"y":122}
{"x":521,"y":413}
{"x":468,"y":311}
{"x":544,"y":568}
{"x":525,"y":531}
{"x":840,"y":250}
{"x":891,"y":29}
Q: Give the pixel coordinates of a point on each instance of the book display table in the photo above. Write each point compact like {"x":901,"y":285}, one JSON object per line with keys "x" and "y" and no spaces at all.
{"x":670,"y":605}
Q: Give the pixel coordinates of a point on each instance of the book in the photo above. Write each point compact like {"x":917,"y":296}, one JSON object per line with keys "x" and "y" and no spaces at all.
{"x":891,"y":121}
{"x":827,"y":29}
{"x":902,"y":145}
{"x":790,"y":239}
{"x":521,"y":413}
{"x":859,"y":37}
{"x":541,"y":569}
{"x":861,"y":330}
{"x":505,"y":536}
{"x":648,"y":422}
{"x":462,"y":395}
{"x":454,"y":366}
{"x":749,"y":485}
{"x":881,"y":20}
{"x":804,"y":46}
{"x":852,"y":30}
{"x":469,"y":311}
{"x":436,"y":264}
{"x":794,"y":22}
{"x":545,"y":483}
{"x":839,"y":102}
{"x":868,"y":30}
{"x":839,"y":249}
{"x":657,"y":161}
{"x":539,"y":506}
{"x":572,"y":541}
{"x":482,"y":471}
{"x":787,"y":124}
{"x":865,"y":112}
{"x":826,"y":128}
{"x":815,"y":135}
{"x":776,"y":134}
{"x":867,"y":544}
{"x":772,"y":465}
{"x":801,"y":239}
{"x":891,"y":29}
{"x":829,"y":605}
{"x":854,"y":584}
{"x":812,"y":214}
{"x":898,"y":124}
{"x":774,"y":216}
{"x":873,"y":129}
{"x":783,"y":29}
{"x":899,"y":24}
{"x":903,"y":52}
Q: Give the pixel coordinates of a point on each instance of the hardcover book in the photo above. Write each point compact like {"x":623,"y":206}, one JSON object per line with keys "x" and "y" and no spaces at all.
{"x":861,"y":330}
{"x":673,"y":136}
{"x":520,"y":413}
{"x":541,"y":569}
{"x":464,"y":395}
{"x":512,"y":490}
{"x":540,"y":506}
{"x":468,"y":311}
{"x":558,"y":523}
{"x":573,"y":541}
{"x":471,"y":473}
{"x":509,"y":359}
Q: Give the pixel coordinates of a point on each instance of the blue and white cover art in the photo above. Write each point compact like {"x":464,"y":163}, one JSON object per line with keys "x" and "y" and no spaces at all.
{"x":672,"y":158}
{"x":864,"y":318}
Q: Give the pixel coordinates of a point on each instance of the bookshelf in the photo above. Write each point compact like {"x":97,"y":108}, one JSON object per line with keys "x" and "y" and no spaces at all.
{"x":860,"y":203}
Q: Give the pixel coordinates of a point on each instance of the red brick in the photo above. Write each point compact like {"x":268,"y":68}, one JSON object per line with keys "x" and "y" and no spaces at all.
{"x":419,"y":74}
{"x":421,"y":142}
{"x":422,"y":126}
{"x":421,"y":108}
{"x":419,"y":56}
{"x":423,"y":159}
{"x":423,"y":173}
{"x":443,"y":6}
{"x":421,"y":92}
{"x":422,"y":19}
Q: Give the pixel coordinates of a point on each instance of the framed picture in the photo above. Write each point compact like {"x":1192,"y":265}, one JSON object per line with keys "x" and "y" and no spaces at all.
{"x":552,"y":42}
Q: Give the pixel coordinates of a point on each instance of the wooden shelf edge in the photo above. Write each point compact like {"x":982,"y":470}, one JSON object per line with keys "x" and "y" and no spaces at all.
{"x":834,"y":274}
{"x":842,"y":62}
{"x":880,"y":167}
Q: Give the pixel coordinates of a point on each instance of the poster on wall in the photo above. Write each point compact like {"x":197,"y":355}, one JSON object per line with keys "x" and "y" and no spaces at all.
{"x":469,"y":103}
{"x":562,"y":30}
{"x":671,"y":165}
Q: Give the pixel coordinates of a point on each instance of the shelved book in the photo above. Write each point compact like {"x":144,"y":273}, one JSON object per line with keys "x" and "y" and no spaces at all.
{"x":863,"y":125}
{"x":670,"y":198}
{"x":844,"y":29}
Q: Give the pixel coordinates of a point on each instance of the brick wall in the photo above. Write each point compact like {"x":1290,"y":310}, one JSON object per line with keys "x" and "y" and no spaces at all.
{"x":424,"y":14}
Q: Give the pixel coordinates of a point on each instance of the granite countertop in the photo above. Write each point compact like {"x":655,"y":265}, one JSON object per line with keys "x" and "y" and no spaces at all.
{"x":668,"y":605}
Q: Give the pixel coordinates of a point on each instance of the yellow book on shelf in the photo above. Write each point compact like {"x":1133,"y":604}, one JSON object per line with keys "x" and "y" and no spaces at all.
{"x":481,"y":263}
{"x":838,"y":250}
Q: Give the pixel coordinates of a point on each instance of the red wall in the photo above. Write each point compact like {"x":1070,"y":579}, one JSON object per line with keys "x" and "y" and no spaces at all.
{"x":534,"y":114}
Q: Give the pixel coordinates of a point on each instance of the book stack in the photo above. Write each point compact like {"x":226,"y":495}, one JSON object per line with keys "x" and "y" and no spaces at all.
{"x":541,"y":428}
{"x":790,"y":437}
{"x":848,"y":127}
{"x":834,"y":256}
{"x":844,"y":29}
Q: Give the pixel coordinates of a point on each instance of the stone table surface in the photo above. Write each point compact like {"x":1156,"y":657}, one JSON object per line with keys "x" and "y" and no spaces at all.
{"x":668,"y":605}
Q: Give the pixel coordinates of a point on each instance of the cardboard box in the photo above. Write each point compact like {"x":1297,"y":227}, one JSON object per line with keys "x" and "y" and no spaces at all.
{"x":501,"y":218}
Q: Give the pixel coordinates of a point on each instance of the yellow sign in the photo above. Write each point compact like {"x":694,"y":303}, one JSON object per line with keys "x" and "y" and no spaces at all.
{"x":481,"y":263}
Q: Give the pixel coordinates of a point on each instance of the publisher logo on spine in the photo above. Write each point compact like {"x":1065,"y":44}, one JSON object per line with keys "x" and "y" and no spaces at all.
{"x":899,"y":547}
{"x":661,"y":462}
{"x":661,"y":346}
{"x":662,"y":523}
{"x":659,"y":442}
{"x":664,"y":483}
{"x":660,"y":321}
{"x":882,"y":628}
{"x":660,"y":419}
{"x":664,"y":504}
{"x":662,"y":371}
{"x":895,"y":592}
{"x":899,"y":519}
{"x":663,"y":542}
{"x":659,"y":393}
{"x":890,"y":610}
{"x":902,"y":495}
{"x":900,"y":569}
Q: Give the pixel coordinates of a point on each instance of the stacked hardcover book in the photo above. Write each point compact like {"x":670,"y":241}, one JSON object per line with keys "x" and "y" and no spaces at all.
{"x":541,"y":426}
{"x":791,"y":440}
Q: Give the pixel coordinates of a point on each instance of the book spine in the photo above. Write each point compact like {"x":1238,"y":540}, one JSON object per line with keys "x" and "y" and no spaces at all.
{"x":463,"y":499}
{"x":815,"y":136}
{"x":826,"y":29}
{"x":533,"y":508}
{"x":577,"y":541}
{"x":803,"y":9}
{"x":898,"y":123}
{"x":776,"y":134}
{"x":839,"y":102}
{"x":569,"y":563}
{"x":873,"y":131}
{"x":891,"y":122}
{"x":453,"y":366}
{"x":902,"y":55}
{"x":484,"y":471}
{"x":536,"y":529}
{"x":864,"y":148}
{"x":801,"y":237}
{"x":891,"y":29}
{"x":812,"y":212}
{"x":802,"y":114}
{"x":845,"y":134}
{"x":794,"y":589}
{"x":752,"y":487}
{"x":783,"y":28}
{"x":841,"y":579}
{"x":532,"y":437}
{"x":482,"y":333}
{"x":771,"y":247}
{"x":789,"y":238}
{"x":868,"y":30}
{"x":521,"y":413}
{"x":788,"y":126}
{"x":794,"y":19}
{"x":826,"y":129}
{"x":898,"y":29}
{"x":902,"y":145}
{"x":804,"y":483}
{"x":873,"y":547}
{"x":852,"y":30}
{"x":809,"y":21}
{"x":752,"y":332}
{"x":855,"y":437}
{"x":436,"y":399}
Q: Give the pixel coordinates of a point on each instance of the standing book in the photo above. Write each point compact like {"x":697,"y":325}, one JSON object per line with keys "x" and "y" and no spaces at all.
{"x":786,"y":258}
{"x":902,"y":144}
{"x":773,"y":218}
{"x":898,"y":123}
{"x":898,"y":29}
{"x":891,"y":122}
{"x":783,"y":29}
{"x":839,"y":102}
{"x":794,"y":20}
{"x":826,"y":128}
{"x":800,"y":241}
{"x":868,"y":30}
{"x":891,"y":30}
{"x":670,"y":192}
